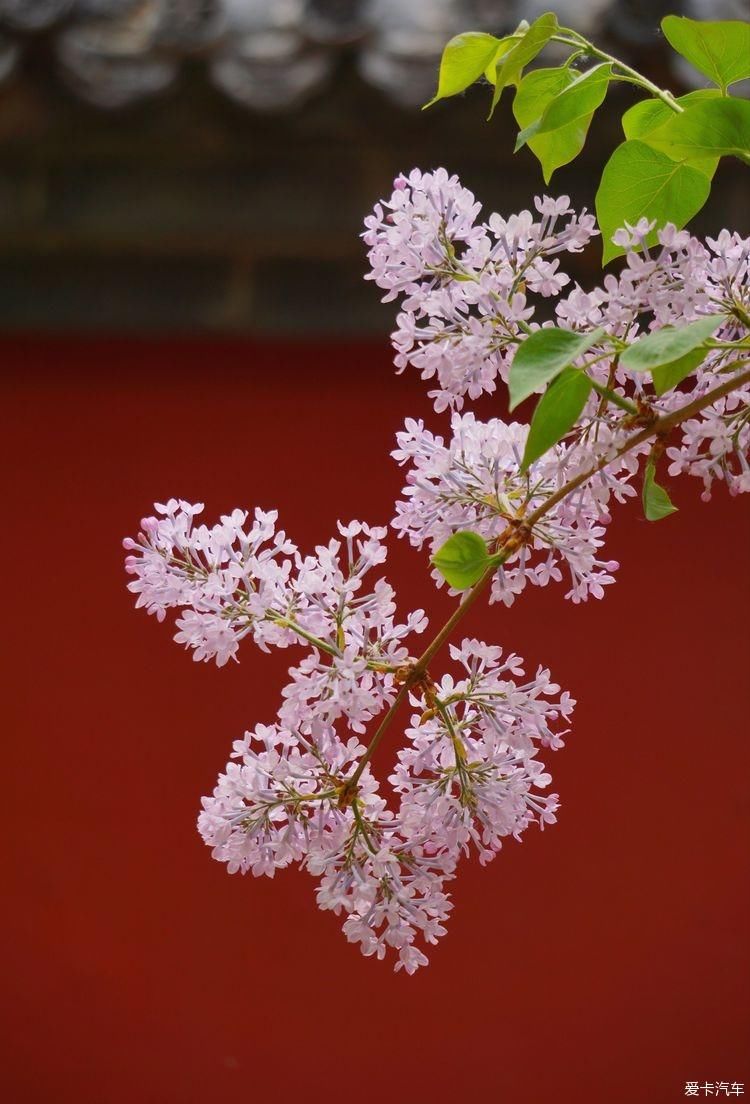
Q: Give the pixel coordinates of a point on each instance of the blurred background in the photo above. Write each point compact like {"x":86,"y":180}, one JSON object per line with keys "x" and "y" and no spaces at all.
{"x":205,"y":165}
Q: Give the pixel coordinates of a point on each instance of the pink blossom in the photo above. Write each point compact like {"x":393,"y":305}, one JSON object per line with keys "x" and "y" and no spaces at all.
{"x":469,"y":774}
{"x":474,"y":482}
{"x":464,"y":283}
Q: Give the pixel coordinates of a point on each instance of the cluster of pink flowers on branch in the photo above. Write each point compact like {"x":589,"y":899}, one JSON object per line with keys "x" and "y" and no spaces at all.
{"x":469,"y":774}
{"x":470,"y":291}
{"x":231,"y":580}
{"x":464,"y":284}
{"x":716,"y":445}
{"x":228,"y":581}
{"x":474,"y":482}
{"x":652,"y":363}
{"x":285,"y":796}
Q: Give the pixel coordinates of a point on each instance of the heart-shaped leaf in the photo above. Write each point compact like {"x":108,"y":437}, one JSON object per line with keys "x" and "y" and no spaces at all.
{"x":641,"y":182}
{"x":462,"y":560}
{"x":646,"y":116}
{"x":720,"y":50}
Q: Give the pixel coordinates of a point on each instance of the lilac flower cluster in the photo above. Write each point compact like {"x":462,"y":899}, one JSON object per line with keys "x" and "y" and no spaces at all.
{"x":227,"y":581}
{"x":230,"y":581}
{"x":470,"y":291}
{"x":474,"y":482}
{"x":285,"y":796}
{"x":716,"y":445}
{"x":469,"y":773}
{"x":301,"y":789}
{"x":465,"y":284}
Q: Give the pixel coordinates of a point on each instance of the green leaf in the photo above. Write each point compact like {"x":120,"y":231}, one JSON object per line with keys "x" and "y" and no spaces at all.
{"x":719,"y":50}
{"x":525,"y":50}
{"x":534,"y":93}
{"x":671,"y":354}
{"x":464,"y":60}
{"x":462,"y":560}
{"x":656,"y":502}
{"x":579,"y":100}
{"x":648,"y":115}
{"x":715,"y":128}
{"x":641,"y":182}
{"x":568,"y":115}
{"x":557,"y":411}
{"x":667,"y":376}
{"x":543,"y":356}
{"x":490,"y":73}
{"x":536,"y":90}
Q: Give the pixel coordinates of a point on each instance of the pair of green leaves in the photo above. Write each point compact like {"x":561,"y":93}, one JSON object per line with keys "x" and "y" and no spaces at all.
{"x":669,"y":354}
{"x":525,"y":50}
{"x":472,"y":55}
{"x":546,"y":358}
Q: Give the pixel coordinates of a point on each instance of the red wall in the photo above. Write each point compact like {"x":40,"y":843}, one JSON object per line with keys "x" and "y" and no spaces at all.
{"x":605,"y":960}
